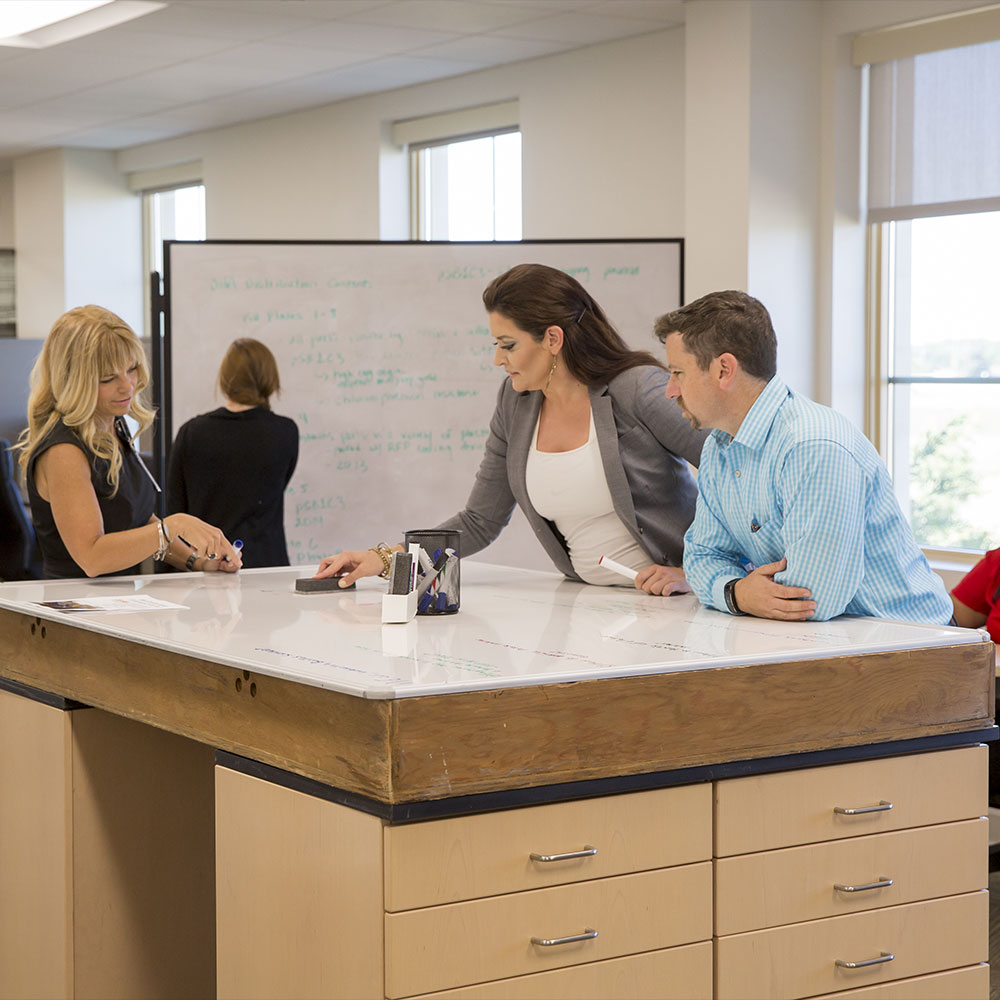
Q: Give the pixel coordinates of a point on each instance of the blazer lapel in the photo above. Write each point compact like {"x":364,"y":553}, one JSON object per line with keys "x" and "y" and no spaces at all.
{"x":522,"y":429}
{"x":611,"y":459}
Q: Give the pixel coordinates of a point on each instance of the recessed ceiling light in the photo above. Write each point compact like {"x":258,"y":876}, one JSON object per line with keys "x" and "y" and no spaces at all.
{"x":35,"y":25}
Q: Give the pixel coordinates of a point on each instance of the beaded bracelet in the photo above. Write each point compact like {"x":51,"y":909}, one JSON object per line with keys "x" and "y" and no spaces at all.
{"x":383,"y":552}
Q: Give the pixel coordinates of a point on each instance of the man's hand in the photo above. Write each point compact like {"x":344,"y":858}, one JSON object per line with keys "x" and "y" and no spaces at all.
{"x":757,"y":594}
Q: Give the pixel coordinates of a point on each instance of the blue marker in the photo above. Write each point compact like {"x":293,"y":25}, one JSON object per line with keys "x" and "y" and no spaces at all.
{"x":237,"y":544}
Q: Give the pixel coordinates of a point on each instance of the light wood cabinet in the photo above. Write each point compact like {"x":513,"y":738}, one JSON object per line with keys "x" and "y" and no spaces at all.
{"x":970,"y":983}
{"x":764,"y":812}
{"x":106,"y":862}
{"x":468,"y":857}
{"x":887,"y":883}
{"x":495,"y":938}
{"x":673,"y":974}
{"x":799,"y":960}
{"x":800,"y":883}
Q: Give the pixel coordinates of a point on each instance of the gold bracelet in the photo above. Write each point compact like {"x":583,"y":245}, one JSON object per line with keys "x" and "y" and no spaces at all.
{"x":382,"y":551}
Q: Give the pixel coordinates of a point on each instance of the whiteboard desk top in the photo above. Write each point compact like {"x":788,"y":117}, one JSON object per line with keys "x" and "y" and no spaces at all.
{"x":516,"y":628}
{"x":536,"y":684}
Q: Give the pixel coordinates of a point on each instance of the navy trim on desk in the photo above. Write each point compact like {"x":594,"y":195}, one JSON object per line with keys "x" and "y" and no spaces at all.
{"x":37,"y":694}
{"x":461,"y":805}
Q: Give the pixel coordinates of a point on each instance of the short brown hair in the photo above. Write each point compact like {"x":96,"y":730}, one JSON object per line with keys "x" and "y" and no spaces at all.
{"x":535,"y":296}
{"x":725,"y":322}
{"x":248,"y":373}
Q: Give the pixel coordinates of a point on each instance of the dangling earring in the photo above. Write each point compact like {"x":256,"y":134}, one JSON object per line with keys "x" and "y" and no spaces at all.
{"x":552,"y":372}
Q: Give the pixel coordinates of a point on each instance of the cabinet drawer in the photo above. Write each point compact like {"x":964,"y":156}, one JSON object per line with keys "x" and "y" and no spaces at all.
{"x":800,"y":960}
{"x":798,"y":883}
{"x":970,"y":983}
{"x":674,"y":974}
{"x":797,"y":807}
{"x":443,"y":861}
{"x":474,"y":942}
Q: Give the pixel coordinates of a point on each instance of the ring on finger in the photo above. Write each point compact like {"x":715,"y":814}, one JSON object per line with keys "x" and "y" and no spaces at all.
{"x":212,"y":555}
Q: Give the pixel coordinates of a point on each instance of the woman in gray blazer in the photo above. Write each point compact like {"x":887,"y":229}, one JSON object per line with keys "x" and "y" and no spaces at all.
{"x":583,"y":439}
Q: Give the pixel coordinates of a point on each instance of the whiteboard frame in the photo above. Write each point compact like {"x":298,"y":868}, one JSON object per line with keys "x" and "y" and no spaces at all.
{"x":162,"y":309}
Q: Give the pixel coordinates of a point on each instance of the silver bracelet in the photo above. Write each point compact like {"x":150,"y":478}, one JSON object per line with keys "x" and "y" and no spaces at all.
{"x":163,"y":541}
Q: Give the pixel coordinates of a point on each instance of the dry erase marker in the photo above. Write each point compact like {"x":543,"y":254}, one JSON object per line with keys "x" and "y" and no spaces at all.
{"x":237,"y":544}
{"x":617,"y":567}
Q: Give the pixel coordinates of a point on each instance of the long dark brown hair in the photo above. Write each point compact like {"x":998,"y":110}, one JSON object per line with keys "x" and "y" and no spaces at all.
{"x":534,"y":297}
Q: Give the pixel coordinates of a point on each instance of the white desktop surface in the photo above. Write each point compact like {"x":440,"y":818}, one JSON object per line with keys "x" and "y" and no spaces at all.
{"x":515,"y":628}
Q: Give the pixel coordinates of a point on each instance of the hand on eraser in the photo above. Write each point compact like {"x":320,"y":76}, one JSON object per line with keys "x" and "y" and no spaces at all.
{"x":307,"y":585}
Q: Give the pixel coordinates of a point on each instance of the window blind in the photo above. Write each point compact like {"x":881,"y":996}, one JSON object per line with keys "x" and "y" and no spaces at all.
{"x":934,"y":134}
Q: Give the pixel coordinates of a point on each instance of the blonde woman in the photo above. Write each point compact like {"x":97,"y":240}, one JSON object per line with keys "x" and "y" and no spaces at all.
{"x":231,"y":465}
{"x":91,"y":497}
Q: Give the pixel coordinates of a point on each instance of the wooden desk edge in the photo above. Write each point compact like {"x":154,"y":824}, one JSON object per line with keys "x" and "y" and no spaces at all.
{"x":417,"y":749}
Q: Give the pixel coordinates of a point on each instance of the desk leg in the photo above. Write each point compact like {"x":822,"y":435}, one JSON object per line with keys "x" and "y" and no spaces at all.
{"x":298,"y":894}
{"x":36,"y":863}
{"x":106,"y":857}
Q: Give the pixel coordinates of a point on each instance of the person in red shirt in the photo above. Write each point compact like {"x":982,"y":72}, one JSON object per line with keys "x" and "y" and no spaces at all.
{"x":976,"y":598}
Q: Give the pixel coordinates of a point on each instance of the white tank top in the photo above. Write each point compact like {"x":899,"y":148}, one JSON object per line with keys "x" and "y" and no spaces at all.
{"x":571,"y":489}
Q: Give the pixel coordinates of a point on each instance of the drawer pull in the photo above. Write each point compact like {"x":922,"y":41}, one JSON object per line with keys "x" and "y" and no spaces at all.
{"x":883,"y":806}
{"x":587,"y":852}
{"x":884,"y":883}
{"x":886,"y":957}
{"x":588,"y":935}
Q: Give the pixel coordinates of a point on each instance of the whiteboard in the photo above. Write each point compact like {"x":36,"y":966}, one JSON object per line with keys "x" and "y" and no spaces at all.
{"x":385,"y":360}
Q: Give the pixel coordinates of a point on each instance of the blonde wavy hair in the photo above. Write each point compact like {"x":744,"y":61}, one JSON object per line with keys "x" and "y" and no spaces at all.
{"x":83,"y":346}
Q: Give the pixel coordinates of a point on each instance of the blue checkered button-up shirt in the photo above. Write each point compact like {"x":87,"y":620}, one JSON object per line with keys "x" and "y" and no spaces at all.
{"x":801,"y":482}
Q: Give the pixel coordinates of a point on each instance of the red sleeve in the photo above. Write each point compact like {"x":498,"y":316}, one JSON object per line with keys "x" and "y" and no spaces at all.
{"x":976,"y":589}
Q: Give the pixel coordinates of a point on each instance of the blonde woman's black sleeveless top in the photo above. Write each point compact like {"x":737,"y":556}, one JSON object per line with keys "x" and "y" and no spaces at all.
{"x":131,"y":507}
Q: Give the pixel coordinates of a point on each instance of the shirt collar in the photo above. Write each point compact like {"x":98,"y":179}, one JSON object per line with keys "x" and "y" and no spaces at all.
{"x":756,"y":424}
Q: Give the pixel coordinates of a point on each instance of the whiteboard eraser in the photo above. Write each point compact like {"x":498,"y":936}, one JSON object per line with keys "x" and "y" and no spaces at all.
{"x":307,"y":585}
{"x":399,"y":608}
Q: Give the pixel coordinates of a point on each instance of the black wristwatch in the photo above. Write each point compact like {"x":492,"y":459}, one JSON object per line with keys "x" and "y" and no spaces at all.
{"x":730,"y":595}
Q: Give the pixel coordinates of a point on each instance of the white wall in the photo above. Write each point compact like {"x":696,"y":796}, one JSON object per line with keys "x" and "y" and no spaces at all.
{"x":78,"y":238}
{"x":39,"y":197}
{"x":7,"y":209}
{"x":102,"y":237}
{"x":603,"y":141}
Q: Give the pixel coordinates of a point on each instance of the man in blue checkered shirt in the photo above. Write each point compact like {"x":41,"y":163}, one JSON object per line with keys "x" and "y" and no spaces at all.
{"x":796,"y":516}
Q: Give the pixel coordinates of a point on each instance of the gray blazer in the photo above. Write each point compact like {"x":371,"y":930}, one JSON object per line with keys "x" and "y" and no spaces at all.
{"x":644,"y":443}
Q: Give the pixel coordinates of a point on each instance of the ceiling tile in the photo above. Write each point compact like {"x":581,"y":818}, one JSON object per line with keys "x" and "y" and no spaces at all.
{"x":466,"y":16}
{"x":579,"y":29}
{"x":667,"y":11}
{"x":489,"y":50}
{"x":367,"y":39}
{"x":241,"y":24}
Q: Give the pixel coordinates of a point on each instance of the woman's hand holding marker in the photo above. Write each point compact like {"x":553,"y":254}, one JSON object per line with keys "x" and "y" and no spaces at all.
{"x":662,"y":580}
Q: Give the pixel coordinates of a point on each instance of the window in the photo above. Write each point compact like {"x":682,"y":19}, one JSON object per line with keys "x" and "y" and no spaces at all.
{"x":174,"y":214}
{"x":469,"y":189}
{"x":934,"y":209}
{"x":465,"y":172}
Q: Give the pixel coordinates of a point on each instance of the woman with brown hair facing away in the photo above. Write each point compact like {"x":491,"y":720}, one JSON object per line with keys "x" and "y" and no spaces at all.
{"x":583,"y":439}
{"x":231,"y":466}
{"x":91,"y":497}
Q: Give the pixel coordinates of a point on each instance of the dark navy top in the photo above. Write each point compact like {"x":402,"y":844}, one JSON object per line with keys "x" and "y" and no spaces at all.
{"x":231,"y":469}
{"x":131,"y":507}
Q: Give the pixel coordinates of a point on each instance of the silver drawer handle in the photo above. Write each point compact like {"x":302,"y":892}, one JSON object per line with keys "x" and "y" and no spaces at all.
{"x":588,"y":935}
{"x":884,"y":883}
{"x":883,"y":806}
{"x":886,"y":957}
{"x":587,"y":852}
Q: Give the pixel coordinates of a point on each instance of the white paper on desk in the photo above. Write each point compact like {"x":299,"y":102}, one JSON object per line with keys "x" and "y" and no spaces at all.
{"x":132,"y":602}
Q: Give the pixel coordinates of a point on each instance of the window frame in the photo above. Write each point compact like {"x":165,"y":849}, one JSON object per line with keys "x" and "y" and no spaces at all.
{"x":418,"y":182}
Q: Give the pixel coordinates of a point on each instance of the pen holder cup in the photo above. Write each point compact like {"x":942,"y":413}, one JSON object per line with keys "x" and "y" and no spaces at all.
{"x":439,"y":582}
